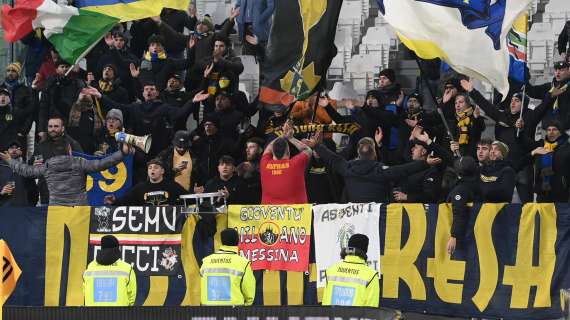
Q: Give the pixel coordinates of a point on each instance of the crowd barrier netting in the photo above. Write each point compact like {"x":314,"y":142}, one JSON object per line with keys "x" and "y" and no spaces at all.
{"x":512,"y":263}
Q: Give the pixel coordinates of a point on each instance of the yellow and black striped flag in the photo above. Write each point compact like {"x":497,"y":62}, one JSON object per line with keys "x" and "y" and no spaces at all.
{"x":9,"y":273}
{"x":300,"y":49}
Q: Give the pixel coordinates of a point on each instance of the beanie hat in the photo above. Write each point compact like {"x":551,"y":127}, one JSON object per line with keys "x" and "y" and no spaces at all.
{"x":109,"y":252}
{"x":16,"y":66}
{"x":230,"y":237}
{"x":553,"y":123}
{"x":181,"y":139}
{"x":388,"y":73}
{"x":418,"y":97}
{"x":358,"y":241}
{"x":211,"y":118}
{"x":207,"y":21}
{"x":112,"y":66}
{"x":116,"y":114}
{"x":4,"y":91}
{"x":502,"y":146}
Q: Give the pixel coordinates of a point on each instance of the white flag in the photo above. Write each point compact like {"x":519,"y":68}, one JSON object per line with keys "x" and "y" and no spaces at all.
{"x":335,"y":223}
{"x":470,"y":35}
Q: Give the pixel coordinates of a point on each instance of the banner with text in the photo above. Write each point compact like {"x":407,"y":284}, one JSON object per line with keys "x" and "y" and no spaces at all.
{"x":511,"y":264}
{"x":149,"y":236}
{"x":273,"y":237}
{"x":334,"y":224}
{"x":116,"y":180}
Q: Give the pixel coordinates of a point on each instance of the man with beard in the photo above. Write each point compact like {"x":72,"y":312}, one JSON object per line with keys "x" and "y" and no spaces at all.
{"x":467,"y":126}
{"x":560,"y":109}
{"x":65,"y":175}
{"x":20,"y":105}
{"x":85,"y":122}
{"x":179,"y":162}
{"x":550,"y":157}
{"x":497,"y":175}
{"x":110,"y":85}
{"x":60,"y":93}
{"x":249,"y":170}
{"x":156,"y":191}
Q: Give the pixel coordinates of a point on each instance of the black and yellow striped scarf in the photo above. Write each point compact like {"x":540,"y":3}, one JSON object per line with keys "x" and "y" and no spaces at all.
{"x":463,"y":122}
{"x":105,"y":86}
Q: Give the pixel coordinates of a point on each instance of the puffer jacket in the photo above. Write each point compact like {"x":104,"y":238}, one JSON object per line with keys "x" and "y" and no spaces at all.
{"x":66,"y":176}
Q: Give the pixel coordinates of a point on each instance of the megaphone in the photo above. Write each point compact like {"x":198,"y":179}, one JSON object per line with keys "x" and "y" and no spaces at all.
{"x":142,"y":143}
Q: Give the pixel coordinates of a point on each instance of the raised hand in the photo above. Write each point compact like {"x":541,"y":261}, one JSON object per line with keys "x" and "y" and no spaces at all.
{"x":200,"y":96}
{"x":135,"y":72}
{"x":467,"y":85}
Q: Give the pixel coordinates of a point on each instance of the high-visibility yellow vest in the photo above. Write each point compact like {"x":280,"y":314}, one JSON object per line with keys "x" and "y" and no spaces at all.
{"x":352,"y":283}
{"x":227,"y":279}
{"x":112,"y":285}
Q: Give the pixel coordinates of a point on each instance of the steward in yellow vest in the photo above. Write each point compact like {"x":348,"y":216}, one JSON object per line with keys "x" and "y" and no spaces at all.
{"x":352,"y":282}
{"x":227,"y":278}
{"x":109,"y":281}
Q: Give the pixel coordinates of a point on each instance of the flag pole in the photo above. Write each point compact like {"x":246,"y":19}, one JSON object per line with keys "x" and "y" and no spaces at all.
{"x":528,"y":21}
{"x":86,"y":52}
{"x":438,"y":106}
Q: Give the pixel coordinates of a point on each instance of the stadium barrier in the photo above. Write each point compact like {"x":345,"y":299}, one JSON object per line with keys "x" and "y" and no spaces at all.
{"x":512,"y":263}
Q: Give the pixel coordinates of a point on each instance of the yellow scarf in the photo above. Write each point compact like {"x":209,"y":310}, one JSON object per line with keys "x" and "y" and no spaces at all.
{"x":463,"y":122}
{"x":184,"y":177}
{"x":105,"y":86}
{"x":160,"y":56}
{"x":550,"y":146}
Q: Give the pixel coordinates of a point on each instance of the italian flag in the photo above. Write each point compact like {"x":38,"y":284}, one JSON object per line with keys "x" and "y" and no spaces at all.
{"x":73,"y":32}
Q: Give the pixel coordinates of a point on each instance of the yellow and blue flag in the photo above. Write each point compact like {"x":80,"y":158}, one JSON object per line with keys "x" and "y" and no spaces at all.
{"x":128,"y":10}
{"x":470,"y":36}
{"x":517,"y":44}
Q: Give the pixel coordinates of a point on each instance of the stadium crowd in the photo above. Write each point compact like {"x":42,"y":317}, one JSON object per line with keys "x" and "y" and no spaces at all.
{"x":154,"y":79}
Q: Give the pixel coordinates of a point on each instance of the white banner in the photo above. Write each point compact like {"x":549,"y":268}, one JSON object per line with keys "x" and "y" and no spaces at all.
{"x":334,"y":224}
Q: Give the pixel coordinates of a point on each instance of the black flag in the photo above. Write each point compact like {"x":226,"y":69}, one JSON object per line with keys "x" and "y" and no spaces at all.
{"x":300,"y":49}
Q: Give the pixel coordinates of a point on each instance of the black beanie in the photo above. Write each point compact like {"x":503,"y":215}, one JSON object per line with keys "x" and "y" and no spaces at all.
{"x":554,"y":123}
{"x":358,"y":241}
{"x":230,"y":237}
{"x":388,"y":73}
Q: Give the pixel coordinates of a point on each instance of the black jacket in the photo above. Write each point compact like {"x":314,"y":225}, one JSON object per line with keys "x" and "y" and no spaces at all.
{"x":367,"y":180}
{"x":24,"y":107}
{"x":497,"y":181}
{"x":163,"y":193}
{"x":208,"y":150}
{"x":562,"y":113}
{"x":505,"y":130}
{"x":236,"y":186}
{"x":24,"y":188}
{"x":150,"y":117}
{"x":465,"y":191}
{"x":559,"y":187}
{"x":59,"y":95}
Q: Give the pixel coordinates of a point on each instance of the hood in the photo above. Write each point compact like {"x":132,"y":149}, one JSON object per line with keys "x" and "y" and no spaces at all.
{"x":363,"y":167}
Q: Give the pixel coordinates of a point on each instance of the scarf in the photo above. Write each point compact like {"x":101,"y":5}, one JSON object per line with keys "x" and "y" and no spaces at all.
{"x":10,"y":84}
{"x":105,"y":86}
{"x":546,"y":171}
{"x":83,"y":106}
{"x":154,"y":56}
{"x":463,"y":122}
